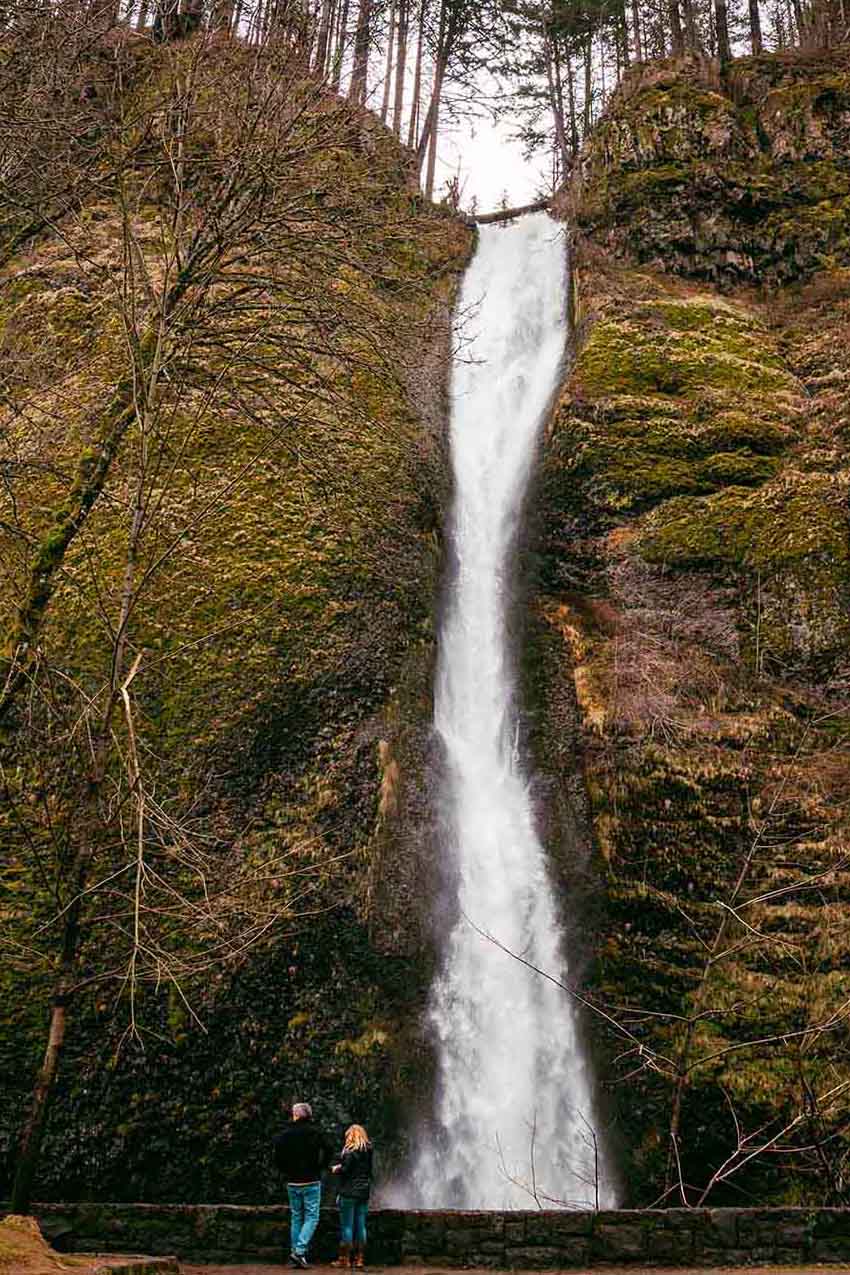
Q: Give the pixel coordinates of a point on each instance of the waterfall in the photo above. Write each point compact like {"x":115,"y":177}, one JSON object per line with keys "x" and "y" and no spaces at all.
{"x":513,"y":1108}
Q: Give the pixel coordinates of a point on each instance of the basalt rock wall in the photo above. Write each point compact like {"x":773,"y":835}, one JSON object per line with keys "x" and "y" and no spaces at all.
{"x":741,"y":177}
{"x":693,"y":555}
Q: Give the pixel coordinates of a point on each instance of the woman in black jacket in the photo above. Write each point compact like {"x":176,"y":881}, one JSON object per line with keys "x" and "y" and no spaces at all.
{"x":354,"y":1171}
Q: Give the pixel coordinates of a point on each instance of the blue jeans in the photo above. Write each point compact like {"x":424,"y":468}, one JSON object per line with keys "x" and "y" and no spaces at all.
{"x":352,"y":1220}
{"x":304,"y":1201}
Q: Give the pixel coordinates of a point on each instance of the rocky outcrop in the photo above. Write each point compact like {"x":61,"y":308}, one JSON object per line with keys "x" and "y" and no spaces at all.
{"x":695,"y":575}
{"x":742,"y":180}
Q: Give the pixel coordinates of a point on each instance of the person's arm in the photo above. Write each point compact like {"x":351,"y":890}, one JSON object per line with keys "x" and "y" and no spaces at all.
{"x":344,"y":1166}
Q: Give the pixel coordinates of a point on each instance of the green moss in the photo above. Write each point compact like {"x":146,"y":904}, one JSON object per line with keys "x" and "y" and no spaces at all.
{"x":622,"y":357}
{"x":638,"y":460}
{"x":797,"y":517}
{"x":677,"y":395}
{"x":793,"y":105}
{"x":791,"y":540}
{"x":813,"y":237}
{"x":638,"y":189}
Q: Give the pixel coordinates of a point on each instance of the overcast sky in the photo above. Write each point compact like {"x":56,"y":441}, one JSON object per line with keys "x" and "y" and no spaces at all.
{"x":491,"y":163}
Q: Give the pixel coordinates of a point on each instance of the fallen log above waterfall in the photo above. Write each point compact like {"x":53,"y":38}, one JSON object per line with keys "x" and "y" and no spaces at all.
{"x":508,"y":214}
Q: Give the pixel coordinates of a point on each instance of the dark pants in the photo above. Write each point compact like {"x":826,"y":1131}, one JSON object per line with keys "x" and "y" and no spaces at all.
{"x":352,"y":1220}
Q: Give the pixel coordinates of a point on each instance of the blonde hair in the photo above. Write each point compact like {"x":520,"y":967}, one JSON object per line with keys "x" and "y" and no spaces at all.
{"x":356,"y":1138}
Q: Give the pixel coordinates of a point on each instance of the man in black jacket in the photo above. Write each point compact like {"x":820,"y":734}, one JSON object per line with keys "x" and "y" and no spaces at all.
{"x":301,"y":1153}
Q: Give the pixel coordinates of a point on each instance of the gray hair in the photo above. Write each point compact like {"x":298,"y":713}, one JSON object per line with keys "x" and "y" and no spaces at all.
{"x":302,"y":1111}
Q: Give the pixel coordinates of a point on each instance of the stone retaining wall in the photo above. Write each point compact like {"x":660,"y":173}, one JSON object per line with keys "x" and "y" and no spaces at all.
{"x":527,"y":1240}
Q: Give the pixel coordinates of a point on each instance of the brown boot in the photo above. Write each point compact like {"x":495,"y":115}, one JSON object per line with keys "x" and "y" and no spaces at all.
{"x":344,"y":1259}
{"x":359,"y":1260}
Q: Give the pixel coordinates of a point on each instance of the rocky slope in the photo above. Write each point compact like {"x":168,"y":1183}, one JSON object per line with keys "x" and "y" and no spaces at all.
{"x":269,"y":529}
{"x":693,"y":618}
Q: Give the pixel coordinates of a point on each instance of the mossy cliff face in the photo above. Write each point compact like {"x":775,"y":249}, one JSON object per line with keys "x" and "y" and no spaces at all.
{"x":742,"y":180}
{"x":294,"y":483}
{"x":695,"y":570}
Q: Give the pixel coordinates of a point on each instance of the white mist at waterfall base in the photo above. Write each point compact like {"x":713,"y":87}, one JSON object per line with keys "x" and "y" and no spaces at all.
{"x":513,"y":1108}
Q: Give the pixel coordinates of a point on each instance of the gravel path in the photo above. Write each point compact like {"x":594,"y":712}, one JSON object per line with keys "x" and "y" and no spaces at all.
{"x":607,"y":1270}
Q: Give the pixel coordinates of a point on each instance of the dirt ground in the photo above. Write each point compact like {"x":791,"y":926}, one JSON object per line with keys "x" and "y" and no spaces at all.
{"x":24,"y":1251}
{"x":811,"y":1269}
{"x":62,"y":1263}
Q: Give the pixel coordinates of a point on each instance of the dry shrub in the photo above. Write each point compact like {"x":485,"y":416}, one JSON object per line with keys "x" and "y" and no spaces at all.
{"x":675,"y":643}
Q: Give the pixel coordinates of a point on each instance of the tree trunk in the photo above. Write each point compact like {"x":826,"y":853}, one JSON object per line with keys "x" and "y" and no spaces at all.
{"x":781,"y":38}
{"x":507,"y":214}
{"x":222,"y":15}
{"x":388,"y":68}
{"x":277,"y":18}
{"x":636,"y":27}
{"x":691,"y":37}
{"x":571,"y":99}
{"x":339,"y":51}
{"x":428,"y":137}
{"x":191,"y":15}
{"x":357,"y":87}
{"x":432,"y":143}
{"x":721,"y":20}
{"x":588,"y":86}
{"x":33,"y":1131}
{"x":400,"y":65}
{"x":257,"y":24}
{"x":755,"y":27}
{"x":623,"y":26}
{"x":432,"y":126}
{"x":799,"y":21}
{"x":676,"y":33}
{"x":556,"y":103}
{"x":323,"y":38}
{"x":416,"y":104}
{"x":78,"y":871}
{"x":92,"y":471}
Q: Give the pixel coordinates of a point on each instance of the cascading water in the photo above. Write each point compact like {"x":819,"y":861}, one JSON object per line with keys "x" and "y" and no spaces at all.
{"x":513,"y":1107}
